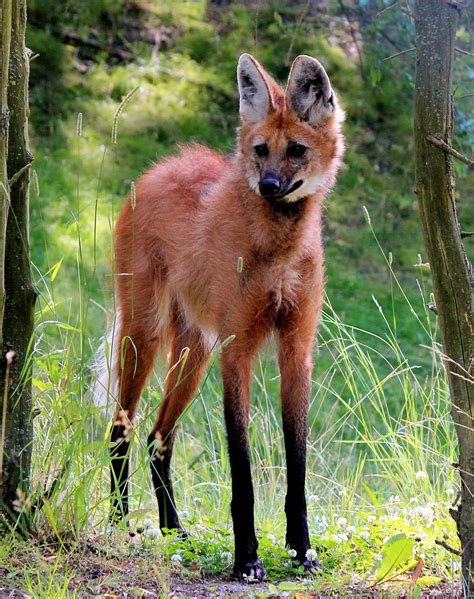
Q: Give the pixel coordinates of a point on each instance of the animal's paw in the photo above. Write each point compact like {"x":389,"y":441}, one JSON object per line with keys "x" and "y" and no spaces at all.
{"x":251,"y":571}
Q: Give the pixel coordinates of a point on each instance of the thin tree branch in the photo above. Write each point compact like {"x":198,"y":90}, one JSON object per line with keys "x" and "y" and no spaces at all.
{"x":354,"y":38}
{"x":409,"y":13}
{"x":400,"y":53}
{"x":448,"y":547}
{"x":18,"y":174}
{"x":461,"y":51}
{"x":387,"y":8}
{"x":447,"y":148}
{"x":76,"y":40}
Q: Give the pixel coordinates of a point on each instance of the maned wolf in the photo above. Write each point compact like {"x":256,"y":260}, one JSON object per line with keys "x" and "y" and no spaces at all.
{"x":215,"y":248}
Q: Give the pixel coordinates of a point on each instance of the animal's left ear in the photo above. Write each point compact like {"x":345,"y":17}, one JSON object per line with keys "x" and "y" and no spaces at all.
{"x":309,"y":91}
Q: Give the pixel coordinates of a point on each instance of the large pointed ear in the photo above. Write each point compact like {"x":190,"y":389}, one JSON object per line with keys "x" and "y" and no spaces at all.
{"x":255,"y":97}
{"x":309,"y":91}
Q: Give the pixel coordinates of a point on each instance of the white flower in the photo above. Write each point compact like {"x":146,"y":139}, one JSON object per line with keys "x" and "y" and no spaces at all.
{"x":311,"y":554}
{"x":313,"y":498}
{"x":152,"y":532}
{"x":185,"y":514}
{"x":364,"y":535}
{"x":351,"y":530}
{"x":341,"y":492}
{"x":425,"y":511}
{"x":421,"y":475}
{"x":272,"y":538}
{"x":371,"y":519}
{"x":342,"y":522}
{"x":340,"y":538}
{"x":226,"y":556}
{"x":394,"y":499}
{"x":148,"y":523}
{"x":450,"y":491}
{"x":321,"y":523}
{"x":176,"y":558}
{"x":291,"y":552}
{"x":197,"y":501}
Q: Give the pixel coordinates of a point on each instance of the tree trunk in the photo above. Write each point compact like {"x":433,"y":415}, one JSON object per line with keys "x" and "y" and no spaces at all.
{"x":436,"y":22}
{"x":5,"y":20}
{"x":5,"y":40}
{"x":18,"y":318}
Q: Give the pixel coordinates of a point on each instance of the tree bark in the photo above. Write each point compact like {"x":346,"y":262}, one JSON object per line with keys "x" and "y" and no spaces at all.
{"x":5,"y":20}
{"x":18,"y":317}
{"x":452,"y":274}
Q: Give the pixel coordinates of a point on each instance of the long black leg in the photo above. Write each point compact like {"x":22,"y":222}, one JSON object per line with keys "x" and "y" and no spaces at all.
{"x":236,"y":379}
{"x":160,"y":463}
{"x":119,"y":473}
{"x":297,"y":535}
{"x":295,"y":368}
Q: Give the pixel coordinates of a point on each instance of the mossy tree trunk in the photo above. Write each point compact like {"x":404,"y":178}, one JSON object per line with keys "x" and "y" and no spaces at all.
{"x":452,"y":274}
{"x":19,"y":294}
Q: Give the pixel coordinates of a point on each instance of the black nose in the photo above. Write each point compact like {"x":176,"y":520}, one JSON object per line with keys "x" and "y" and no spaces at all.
{"x":269,"y":186}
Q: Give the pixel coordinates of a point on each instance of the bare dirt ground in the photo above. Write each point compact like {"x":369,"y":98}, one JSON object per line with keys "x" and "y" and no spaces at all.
{"x":224,"y":587}
{"x":40,"y":570}
{"x":220,"y":587}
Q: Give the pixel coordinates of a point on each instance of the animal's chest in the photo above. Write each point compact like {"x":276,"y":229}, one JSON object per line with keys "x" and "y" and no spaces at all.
{"x":273,"y":294}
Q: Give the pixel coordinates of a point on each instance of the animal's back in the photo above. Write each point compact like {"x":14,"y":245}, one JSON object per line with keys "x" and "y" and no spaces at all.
{"x":169,"y":197}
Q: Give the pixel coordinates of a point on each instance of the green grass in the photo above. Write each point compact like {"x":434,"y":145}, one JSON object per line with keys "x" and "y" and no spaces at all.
{"x":379,"y":450}
{"x":381,"y":443}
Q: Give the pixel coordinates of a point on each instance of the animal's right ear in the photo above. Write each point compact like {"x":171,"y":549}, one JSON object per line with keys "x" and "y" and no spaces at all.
{"x":255,"y":98}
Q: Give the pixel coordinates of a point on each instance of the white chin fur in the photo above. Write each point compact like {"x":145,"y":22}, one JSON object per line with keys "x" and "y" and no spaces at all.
{"x":309,"y":187}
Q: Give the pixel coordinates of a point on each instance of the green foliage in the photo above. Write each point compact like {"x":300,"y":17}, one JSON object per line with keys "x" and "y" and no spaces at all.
{"x":395,"y":552}
{"x":380,"y":444}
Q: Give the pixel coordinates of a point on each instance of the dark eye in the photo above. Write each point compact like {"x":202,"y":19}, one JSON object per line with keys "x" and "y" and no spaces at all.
{"x":261,"y":150}
{"x":295,"y":150}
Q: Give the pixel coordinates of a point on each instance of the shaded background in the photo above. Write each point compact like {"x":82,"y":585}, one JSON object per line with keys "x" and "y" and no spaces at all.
{"x":183,"y":56}
{"x":380,"y":410}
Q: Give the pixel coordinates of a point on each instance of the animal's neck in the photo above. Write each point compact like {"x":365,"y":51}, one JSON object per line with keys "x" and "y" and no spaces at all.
{"x":282,"y":229}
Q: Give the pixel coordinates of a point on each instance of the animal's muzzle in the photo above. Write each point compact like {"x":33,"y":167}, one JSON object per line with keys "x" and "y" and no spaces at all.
{"x":272,"y":188}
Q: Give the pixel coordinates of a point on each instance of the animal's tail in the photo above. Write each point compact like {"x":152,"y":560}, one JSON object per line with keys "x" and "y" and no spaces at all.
{"x":105,"y":385}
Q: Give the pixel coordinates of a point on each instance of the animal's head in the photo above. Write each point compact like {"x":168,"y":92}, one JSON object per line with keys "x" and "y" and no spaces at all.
{"x":290,"y":140}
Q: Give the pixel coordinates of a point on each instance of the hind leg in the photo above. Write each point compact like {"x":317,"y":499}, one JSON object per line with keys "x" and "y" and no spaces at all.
{"x":188,"y":361}
{"x":135,"y":358}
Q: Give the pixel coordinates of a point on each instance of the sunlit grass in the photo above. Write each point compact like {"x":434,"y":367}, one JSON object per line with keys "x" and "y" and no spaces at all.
{"x":380,"y":444}
{"x":380,"y":449}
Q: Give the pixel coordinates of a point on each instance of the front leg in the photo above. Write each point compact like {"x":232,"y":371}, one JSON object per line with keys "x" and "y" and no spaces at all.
{"x":236,"y":372}
{"x":295,"y":359}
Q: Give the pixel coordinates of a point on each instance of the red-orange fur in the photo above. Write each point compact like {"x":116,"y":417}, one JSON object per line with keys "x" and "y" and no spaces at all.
{"x":178,"y":284}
